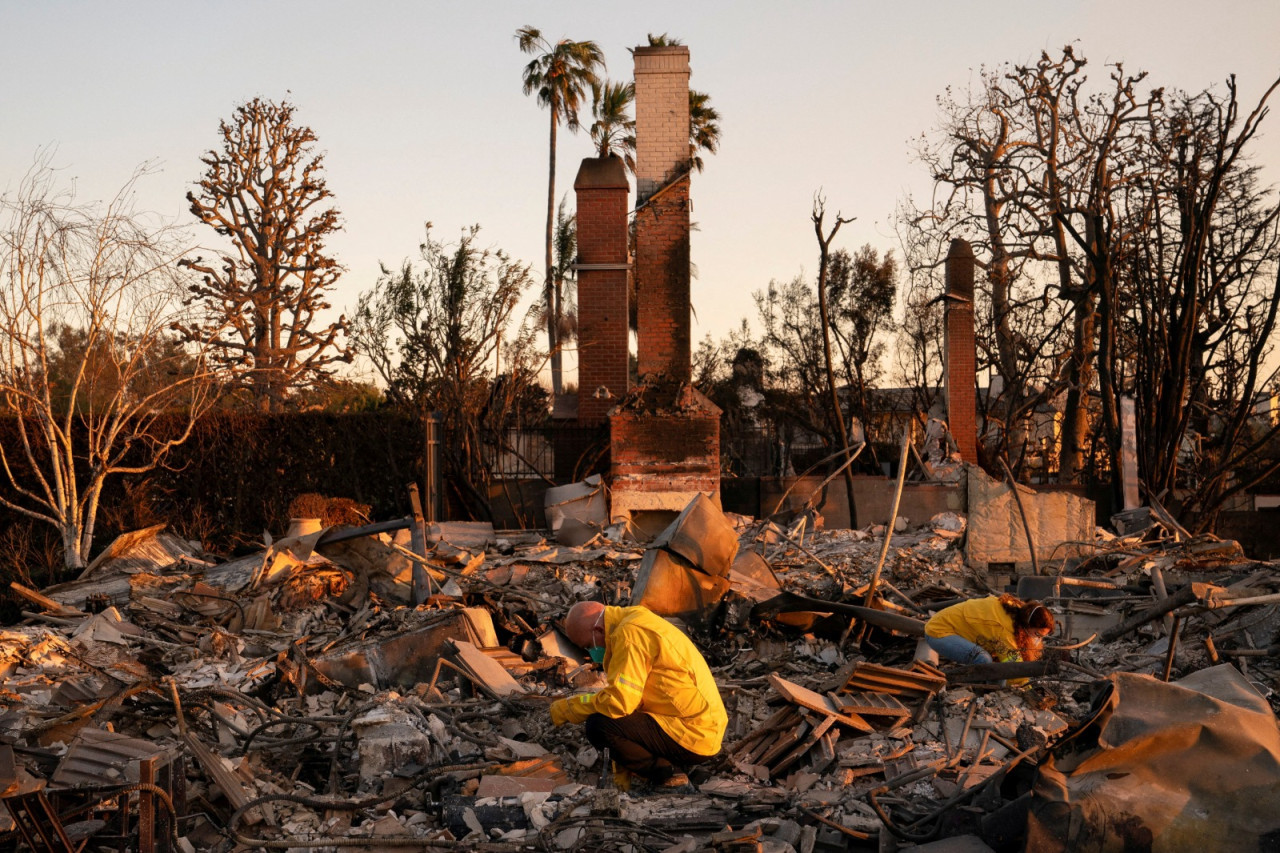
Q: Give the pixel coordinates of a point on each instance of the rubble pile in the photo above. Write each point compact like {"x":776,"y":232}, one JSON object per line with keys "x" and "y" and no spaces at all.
{"x":340,"y":690}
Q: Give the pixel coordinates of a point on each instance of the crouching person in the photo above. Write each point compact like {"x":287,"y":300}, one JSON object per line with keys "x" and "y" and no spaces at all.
{"x":661,"y":711}
{"x":996,"y":628}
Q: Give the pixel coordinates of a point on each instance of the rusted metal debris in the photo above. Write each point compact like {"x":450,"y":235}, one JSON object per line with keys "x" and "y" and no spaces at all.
{"x":360,"y":687}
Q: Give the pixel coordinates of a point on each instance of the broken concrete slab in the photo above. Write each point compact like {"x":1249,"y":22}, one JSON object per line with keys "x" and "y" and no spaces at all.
{"x":1062,"y":524}
{"x":514,"y":786}
{"x":467,"y":535}
{"x":389,"y":738}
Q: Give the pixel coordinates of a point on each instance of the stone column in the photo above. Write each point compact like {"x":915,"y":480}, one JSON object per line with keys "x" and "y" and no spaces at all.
{"x":662,"y":211}
{"x":961,"y":356}
{"x":601,"y":188}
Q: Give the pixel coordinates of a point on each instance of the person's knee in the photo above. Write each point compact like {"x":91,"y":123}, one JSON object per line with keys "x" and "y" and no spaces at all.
{"x":956,"y":648}
{"x":979,"y":655}
{"x":597,"y":729}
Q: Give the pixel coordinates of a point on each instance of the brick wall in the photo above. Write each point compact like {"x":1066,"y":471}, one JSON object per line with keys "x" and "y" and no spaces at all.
{"x":961,"y":356}
{"x":659,"y":455}
{"x":662,"y":216}
{"x":601,"y":188}
{"x":662,"y":285}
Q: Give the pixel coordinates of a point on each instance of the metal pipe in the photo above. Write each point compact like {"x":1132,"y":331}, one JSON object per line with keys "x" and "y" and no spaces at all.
{"x":893,"y":514}
{"x":1173,"y":645}
{"x":1157,"y":582}
{"x":1026,"y":526}
{"x":1215,"y":603}
{"x":333,"y":536}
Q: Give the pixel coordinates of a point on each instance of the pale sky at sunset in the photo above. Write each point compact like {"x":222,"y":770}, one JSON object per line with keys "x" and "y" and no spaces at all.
{"x":419,"y":105}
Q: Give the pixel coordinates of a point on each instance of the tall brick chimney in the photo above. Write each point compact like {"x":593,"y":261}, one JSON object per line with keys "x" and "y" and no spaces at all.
{"x":961,"y":356}
{"x":662,"y":210}
{"x":603,"y":378}
{"x":664,"y":438}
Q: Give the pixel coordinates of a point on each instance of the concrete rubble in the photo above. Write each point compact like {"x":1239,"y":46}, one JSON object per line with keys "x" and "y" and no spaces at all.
{"x":296,"y":698}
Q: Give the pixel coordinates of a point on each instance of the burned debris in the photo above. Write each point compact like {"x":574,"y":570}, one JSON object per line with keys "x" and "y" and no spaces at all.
{"x":343,"y":689}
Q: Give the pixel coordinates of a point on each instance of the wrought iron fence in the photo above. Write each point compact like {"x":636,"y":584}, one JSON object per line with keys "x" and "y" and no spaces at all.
{"x":558,"y":453}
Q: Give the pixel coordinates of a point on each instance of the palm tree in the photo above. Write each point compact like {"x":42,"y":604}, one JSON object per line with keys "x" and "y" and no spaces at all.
{"x":614,"y":130}
{"x":704,"y":127}
{"x":566,"y":255}
{"x":560,"y":74}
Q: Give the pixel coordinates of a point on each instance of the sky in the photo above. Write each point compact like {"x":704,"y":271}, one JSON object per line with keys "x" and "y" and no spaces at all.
{"x":419,"y":110}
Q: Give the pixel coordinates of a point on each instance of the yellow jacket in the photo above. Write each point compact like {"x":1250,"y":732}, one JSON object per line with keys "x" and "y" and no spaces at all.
{"x":980,"y":620}
{"x":653,"y":667}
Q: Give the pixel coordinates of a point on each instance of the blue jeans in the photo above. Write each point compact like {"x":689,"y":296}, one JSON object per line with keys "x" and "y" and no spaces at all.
{"x":957,"y":648}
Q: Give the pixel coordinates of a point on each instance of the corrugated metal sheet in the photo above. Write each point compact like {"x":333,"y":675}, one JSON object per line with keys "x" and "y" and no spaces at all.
{"x":98,"y":757}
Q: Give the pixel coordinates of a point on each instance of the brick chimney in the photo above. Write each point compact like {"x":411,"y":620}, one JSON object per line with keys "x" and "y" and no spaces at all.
{"x":601,"y":188}
{"x":665,"y":436}
{"x":662,"y":210}
{"x":961,"y":357}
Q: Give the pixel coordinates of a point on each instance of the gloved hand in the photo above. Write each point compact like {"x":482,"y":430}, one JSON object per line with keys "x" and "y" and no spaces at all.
{"x":559,"y":712}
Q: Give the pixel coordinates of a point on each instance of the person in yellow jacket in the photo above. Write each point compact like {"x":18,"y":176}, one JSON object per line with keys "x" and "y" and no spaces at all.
{"x":996,"y":628}
{"x":661,"y":711}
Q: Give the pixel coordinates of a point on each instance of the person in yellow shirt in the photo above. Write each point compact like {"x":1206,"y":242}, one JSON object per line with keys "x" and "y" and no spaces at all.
{"x":996,"y":628}
{"x":661,"y":711}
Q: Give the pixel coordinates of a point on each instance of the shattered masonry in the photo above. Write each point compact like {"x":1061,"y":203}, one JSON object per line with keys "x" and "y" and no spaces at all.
{"x":296,"y":696}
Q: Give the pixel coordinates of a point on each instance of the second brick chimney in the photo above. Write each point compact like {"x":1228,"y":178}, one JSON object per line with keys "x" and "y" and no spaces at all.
{"x":601,"y":188}
{"x":662,"y":211}
{"x":960,"y":377}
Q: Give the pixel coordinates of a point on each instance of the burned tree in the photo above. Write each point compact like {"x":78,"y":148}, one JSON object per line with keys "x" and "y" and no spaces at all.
{"x":1198,"y":327}
{"x":1128,"y":245}
{"x":435,"y":334}
{"x":1031,"y":162}
{"x":265,"y":191}
{"x":788,"y":314}
{"x":91,"y":379}
{"x":861,"y":289}
{"x":849,"y":306}
{"x":824,"y":269}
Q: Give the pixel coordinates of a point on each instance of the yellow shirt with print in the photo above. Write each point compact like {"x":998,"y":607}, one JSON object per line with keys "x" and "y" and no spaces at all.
{"x":980,"y":620}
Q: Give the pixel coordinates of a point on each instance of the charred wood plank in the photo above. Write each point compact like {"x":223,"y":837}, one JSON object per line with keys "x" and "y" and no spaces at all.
{"x":985,"y":672}
{"x":789,"y":602}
